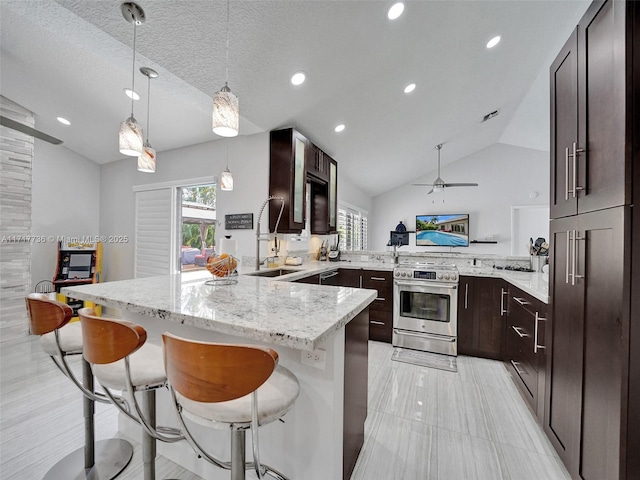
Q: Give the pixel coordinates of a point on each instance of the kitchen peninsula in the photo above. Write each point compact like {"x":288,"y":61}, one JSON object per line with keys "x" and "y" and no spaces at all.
{"x":323,"y":433}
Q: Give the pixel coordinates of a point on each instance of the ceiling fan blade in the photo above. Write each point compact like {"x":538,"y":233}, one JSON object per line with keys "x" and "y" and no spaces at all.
{"x":422,"y":184}
{"x":430,"y":192}
{"x":460,"y":184}
{"x":21,"y":127}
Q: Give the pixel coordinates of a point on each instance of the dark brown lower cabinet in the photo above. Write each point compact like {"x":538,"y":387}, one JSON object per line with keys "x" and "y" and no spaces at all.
{"x":525,"y":352}
{"x":586,"y":404}
{"x":481,"y":316}
{"x":381,"y":310}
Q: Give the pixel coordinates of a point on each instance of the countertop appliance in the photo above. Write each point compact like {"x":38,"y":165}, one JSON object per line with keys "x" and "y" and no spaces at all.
{"x":425,"y":315}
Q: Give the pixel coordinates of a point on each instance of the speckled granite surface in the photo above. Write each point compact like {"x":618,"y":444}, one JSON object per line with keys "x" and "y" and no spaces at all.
{"x":294,"y":315}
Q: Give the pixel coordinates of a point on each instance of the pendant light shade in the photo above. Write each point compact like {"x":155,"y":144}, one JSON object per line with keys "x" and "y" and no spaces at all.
{"x":226,"y":180}
{"x":130,"y":138}
{"x":226,"y":114}
{"x":147,"y":161}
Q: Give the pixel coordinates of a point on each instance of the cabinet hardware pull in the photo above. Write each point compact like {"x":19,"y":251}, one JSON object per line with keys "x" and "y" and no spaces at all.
{"x":517,"y":330}
{"x":324,"y":276}
{"x":574,"y":259}
{"x":566,"y":173}
{"x":574,"y":155}
{"x":380,"y":279}
{"x":537,"y":347}
{"x":521,"y":301}
{"x":566,"y":271}
{"x":466,"y":295}
{"x":503,"y":310}
{"x":376,"y":322}
{"x":515,"y":365}
{"x":380,"y":299}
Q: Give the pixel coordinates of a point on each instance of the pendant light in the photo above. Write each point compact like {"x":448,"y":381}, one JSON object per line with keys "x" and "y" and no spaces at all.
{"x":147,"y":161}
{"x":226,"y":179}
{"x":130,"y":137}
{"x":226,"y":114}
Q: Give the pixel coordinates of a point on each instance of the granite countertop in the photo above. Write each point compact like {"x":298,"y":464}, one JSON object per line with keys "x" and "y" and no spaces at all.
{"x":295,"y":315}
{"x":533,"y":283}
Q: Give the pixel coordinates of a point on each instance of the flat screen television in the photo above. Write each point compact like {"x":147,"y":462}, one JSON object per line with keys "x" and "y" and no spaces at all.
{"x":442,"y":230}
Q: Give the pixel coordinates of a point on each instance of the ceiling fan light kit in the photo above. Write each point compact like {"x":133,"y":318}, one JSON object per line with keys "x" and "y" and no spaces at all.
{"x":226,"y":111}
{"x":438,"y":184}
{"x":130,"y":136}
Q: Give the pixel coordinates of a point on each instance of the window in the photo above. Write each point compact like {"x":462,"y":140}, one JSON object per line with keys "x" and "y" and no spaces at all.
{"x":198,"y":227}
{"x":352,"y":226}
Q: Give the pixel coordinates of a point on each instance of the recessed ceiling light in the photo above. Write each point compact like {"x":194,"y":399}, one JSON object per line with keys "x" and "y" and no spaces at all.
{"x":131,"y":94}
{"x":339,"y":128}
{"x":298,"y":78}
{"x":63,"y":121}
{"x":410,"y":88}
{"x":395,"y":10}
{"x":493,"y":42}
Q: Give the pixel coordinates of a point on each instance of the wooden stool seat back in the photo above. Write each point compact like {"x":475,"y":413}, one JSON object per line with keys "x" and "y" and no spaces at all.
{"x":107,"y":340}
{"x":216,"y":372}
{"x":46,"y":315}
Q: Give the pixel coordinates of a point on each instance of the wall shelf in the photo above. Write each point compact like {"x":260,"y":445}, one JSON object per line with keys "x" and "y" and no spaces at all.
{"x":483,"y":241}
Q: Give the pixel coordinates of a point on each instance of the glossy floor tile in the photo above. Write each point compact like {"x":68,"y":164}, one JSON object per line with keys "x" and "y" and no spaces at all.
{"x":423,"y":424}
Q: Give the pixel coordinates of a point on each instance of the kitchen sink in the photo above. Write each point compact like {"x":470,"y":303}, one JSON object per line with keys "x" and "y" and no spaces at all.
{"x":274,"y":273}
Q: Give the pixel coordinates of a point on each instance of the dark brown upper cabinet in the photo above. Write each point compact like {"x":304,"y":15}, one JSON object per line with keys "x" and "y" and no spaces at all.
{"x":318,"y":164}
{"x":287,"y":179}
{"x":593,"y":124}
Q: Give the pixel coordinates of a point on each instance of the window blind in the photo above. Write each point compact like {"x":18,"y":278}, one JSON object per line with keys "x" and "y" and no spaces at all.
{"x":154,"y":245}
{"x":352,"y":225}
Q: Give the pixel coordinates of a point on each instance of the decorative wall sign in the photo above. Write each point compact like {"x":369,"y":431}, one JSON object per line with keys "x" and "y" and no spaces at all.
{"x":238,"y":221}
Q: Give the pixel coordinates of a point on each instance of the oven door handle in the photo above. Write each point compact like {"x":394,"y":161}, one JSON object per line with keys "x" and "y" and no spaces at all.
{"x":422,"y":285}
{"x":425,"y":335}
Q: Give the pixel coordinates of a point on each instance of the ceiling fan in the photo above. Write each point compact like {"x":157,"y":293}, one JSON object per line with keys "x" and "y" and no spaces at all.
{"x":21,"y":127}
{"x":438,"y":184}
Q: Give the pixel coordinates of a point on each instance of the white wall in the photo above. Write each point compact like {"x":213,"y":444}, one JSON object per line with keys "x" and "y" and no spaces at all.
{"x":65,"y":202}
{"x":248,"y":161}
{"x":506,"y":175}
{"x":349,"y":193}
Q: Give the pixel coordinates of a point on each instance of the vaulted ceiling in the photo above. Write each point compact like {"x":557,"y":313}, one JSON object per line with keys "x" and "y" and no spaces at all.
{"x":72,"y":58}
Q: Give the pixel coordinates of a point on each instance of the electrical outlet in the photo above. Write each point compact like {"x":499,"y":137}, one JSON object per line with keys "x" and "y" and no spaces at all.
{"x":314,"y":358}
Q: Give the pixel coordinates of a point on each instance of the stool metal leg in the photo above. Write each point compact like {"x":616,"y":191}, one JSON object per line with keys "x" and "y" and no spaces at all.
{"x":97,"y":460}
{"x":238,"y":462}
{"x":148,"y":442}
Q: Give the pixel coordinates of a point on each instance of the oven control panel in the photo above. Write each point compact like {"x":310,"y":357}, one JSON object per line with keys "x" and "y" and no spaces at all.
{"x":439,"y":275}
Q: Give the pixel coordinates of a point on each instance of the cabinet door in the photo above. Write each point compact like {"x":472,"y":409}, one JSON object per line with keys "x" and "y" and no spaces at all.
{"x":564,"y":128}
{"x":600,"y":273}
{"x":602,"y":91}
{"x":489,"y":319}
{"x":564,"y":345}
{"x":287,"y":179}
{"x":313,"y":279}
{"x":350,"y":277}
{"x":465,"y":316}
{"x":381,"y":309}
{"x":318,"y":208}
{"x":333,"y":195}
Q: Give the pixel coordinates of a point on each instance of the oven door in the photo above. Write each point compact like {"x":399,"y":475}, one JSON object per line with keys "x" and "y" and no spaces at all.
{"x":425,"y":307}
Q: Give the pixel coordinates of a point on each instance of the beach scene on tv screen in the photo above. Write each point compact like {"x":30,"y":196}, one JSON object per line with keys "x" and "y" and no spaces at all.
{"x":442,"y":230}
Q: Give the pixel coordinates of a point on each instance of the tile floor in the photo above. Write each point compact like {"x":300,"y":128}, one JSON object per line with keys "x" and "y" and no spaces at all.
{"x":423,"y":423}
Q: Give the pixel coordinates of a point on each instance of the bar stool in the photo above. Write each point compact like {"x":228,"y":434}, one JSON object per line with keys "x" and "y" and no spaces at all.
{"x":121,"y":360}
{"x":233,"y":387}
{"x":104,"y":459}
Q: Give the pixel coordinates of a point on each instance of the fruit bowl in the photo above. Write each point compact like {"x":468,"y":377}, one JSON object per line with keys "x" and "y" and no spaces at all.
{"x":223,"y":269}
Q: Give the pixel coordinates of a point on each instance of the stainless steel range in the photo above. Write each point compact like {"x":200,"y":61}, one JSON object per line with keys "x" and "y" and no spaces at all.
{"x":425,"y":315}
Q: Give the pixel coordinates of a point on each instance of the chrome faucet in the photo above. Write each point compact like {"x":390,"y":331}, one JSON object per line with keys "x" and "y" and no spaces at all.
{"x":275,"y":231}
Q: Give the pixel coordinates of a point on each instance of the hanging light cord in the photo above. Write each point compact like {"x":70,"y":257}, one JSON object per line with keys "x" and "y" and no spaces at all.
{"x":227,"y":154}
{"x":148,"y":103}
{"x":133,"y":68}
{"x":227,"y":68}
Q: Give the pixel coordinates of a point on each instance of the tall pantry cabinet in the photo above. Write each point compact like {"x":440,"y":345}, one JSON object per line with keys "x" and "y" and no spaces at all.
{"x":592,"y":396}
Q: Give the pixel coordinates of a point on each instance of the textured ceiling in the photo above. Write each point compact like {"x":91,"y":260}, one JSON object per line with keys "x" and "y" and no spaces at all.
{"x":73,"y":58}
